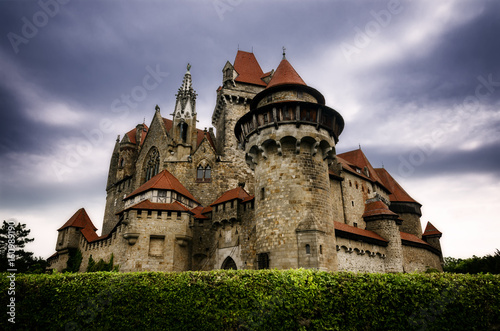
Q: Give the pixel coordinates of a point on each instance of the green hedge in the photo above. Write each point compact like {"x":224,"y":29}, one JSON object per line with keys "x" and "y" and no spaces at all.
{"x":254,"y":300}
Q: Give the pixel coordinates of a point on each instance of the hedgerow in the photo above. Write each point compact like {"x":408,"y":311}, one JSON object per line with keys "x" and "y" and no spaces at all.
{"x":254,"y":300}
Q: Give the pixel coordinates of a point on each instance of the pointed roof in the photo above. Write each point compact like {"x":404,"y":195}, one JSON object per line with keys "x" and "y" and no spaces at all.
{"x":132,"y":134}
{"x":431,"y":230}
{"x":235,"y":193}
{"x":398,"y":194}
{"x":357,"y":159}
{"x":163,"y":181}
{"x":285,"y":74}
{"x":248,"y":69}
{"x":82,"y":221}
{"x":377,"y":208}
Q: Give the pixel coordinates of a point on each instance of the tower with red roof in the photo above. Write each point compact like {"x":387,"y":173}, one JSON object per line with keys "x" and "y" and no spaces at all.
{"x":289,"y":137}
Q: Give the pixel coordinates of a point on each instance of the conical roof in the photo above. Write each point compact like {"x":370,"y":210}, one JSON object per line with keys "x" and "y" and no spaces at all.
{"x":431,"y":230}
{"x":248,"y":69}
{"x":285,"y":74}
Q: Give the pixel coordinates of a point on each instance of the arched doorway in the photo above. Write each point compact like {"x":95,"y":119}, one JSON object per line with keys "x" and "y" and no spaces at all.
{"x":229,"y":264}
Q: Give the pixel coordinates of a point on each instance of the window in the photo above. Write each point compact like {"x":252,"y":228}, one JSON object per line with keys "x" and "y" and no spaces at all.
{"x":262,"y":193}
{"x":121,"y":163}
{"x":152,"y":163}
{"x":183,"y":129}
{"x":178,"y":214}
{"x":308,"y":249}
{"x":266,"y":119}
{"x":352,"y":202}
{"x":321,"y":249}
{"x":263,"y":261}
{"x":232,"y":204}
{"x":159,"y":213}
{"x":150,"y":212}
{"x":139,"y":213}
{"x":203,"y":174}
{"x":355,"y":224}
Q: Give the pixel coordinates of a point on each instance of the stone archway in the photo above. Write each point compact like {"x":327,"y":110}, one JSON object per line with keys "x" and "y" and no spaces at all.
{"x":229,"y":264}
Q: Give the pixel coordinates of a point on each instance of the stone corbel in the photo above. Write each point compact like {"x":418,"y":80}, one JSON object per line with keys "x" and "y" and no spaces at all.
{"x":278,"y":144}
{"x":297,"y":147}
{"x":263,"y":151}
{"x":131,"y":237}
{"x":314,"y":149}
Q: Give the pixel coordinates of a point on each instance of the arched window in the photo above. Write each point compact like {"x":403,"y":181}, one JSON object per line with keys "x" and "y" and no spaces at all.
{"x":183,"y":127}
{"x":308,"y":249}
{"x":229,"y":264}
{"x":203,"y":174}
{"x":152,"y":166}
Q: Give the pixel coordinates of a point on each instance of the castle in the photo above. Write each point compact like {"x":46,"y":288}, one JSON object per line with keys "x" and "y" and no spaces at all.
{"x":268,"y":190}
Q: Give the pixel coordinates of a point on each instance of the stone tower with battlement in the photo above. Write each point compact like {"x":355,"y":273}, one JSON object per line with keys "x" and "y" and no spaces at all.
{"x":289,"y":138}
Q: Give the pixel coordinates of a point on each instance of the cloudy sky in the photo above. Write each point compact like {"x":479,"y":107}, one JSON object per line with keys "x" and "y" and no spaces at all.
{"x":417,"y":82}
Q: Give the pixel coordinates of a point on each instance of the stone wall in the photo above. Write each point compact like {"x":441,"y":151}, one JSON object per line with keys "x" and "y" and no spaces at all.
{"x":417,"y":259}
{"x":358,"y":256}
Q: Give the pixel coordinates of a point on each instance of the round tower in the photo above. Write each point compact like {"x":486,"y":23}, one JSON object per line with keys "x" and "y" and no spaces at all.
{"x":289,"y":138}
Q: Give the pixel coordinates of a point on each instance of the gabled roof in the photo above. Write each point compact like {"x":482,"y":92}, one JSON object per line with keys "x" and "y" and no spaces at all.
{"x":357,"y":159}
{"x":398,"y":194}
{"x":248,"y":69}
{"x":285,"y":74}
{"x":235,"y":193}
{"x":198,"y":213}
{"x":148,"y":205}
{"x":431,"y":230}
{"x":341,"y":228}
{"x":82,"y":221}
{"x":163,"y":181}
{"x":132,"y":134}
{"x":377,"y":208}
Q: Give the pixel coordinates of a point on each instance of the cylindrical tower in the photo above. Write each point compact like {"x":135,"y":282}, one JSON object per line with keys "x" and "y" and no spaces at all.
{"x":289,"y":137}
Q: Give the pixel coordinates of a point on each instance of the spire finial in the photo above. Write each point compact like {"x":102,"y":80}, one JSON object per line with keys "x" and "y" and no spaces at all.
{"x":188,"y":67}
{"x":284,"y":49}
{"x":157,"y":108}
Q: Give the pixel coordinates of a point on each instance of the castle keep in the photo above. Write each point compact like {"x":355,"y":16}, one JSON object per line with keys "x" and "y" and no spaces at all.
{"x":266,"y":190}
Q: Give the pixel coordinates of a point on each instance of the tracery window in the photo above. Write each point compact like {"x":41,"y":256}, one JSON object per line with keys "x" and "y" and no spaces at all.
{"x":152,"y":163}
{"x":203,"y":174}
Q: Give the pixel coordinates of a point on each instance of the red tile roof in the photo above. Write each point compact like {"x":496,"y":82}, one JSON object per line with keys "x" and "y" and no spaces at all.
{"x":168,"y":124}
{"x":132,"y":134}
{"x":198,"y":213}
{"x":248,"y":69}
{"x":431,"y":230}
{"x":82,"y":221}
{"x":285,"y":74}
{"x":235,"y":193}
{"x":148,"y":205}
{"x":397,"y":192}
{"x":357,"y":231}
{"x":377,"y":208}
{"x":412,"y":238}
{"x":357,"y":159}
{"x":163,"y":181}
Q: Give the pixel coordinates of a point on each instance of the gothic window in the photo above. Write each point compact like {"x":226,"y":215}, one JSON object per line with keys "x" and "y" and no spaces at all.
{"x":183,"y":127}
{"x":121,"y":163}
{"x":203,"y":174}
{"x":263,"y":261}
{"x":152,"y":163}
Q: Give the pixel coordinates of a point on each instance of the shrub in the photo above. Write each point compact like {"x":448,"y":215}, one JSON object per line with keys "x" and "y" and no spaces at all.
{"x":253,"y":300}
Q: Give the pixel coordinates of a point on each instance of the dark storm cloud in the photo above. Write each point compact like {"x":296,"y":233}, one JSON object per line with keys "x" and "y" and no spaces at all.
{"x":450,"y":71}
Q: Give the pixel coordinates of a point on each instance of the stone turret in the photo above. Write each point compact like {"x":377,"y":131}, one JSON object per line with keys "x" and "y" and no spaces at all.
{"x":289,"y":138}
{"x":385,"y":223}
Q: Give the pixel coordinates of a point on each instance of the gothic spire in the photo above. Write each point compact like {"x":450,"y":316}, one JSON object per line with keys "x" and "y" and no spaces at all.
{"x":185,"y":97}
